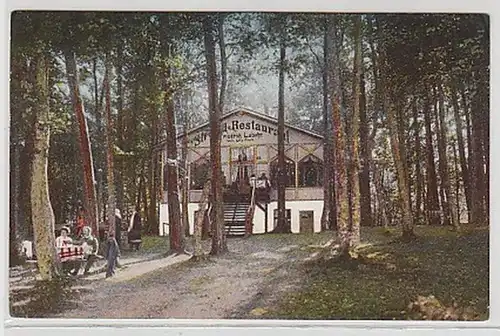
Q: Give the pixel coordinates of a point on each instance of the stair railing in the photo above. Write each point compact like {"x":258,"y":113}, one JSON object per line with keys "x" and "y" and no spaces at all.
{"x":250,"y":211}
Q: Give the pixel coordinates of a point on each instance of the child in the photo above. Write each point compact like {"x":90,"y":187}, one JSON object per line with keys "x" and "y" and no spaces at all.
{"x":112,"y":254}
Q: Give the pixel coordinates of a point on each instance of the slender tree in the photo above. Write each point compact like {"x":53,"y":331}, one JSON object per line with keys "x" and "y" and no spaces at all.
{"x":90,"y":201}
{"x":341,"y":177}
{"x":397,"y":153}
{"x":110,"y":154}
{"x":328,"y":217}
{"x":282,"y":225}
{"x":354,"y":136}
{"x":174,"y":212}
{"x":443,"y":162}
{"x":219,"y":244}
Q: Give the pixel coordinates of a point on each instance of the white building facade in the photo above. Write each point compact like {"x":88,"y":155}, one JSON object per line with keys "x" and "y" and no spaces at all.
{"x":249,"y":152}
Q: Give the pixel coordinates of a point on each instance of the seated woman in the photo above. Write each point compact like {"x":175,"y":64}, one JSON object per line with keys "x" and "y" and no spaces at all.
{"x":64,"y":240}
{"x":90,"y":246}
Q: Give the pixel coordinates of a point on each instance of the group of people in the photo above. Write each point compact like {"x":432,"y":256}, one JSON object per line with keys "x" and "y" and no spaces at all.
{"x":90,"y":243}
{"x":87,"y":241}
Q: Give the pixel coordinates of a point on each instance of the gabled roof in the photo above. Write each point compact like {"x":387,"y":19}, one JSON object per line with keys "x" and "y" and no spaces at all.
{"x":255,"y":114}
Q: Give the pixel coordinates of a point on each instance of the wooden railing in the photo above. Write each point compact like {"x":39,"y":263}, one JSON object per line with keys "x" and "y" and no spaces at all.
{"x":250,"y":212}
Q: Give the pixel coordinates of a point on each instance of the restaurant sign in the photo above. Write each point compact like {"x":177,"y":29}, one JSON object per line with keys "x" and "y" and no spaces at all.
{"x":238,"y":131}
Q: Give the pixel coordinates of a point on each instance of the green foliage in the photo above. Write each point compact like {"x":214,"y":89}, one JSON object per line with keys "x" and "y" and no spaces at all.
{"x":390,"y":275}
{"x":154,"y":244}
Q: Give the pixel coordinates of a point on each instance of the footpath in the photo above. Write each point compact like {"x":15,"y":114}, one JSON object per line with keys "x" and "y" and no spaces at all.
{"x":23,"y":278}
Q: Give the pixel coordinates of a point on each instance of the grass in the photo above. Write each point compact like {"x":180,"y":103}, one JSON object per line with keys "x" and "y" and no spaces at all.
{"x":454,"y":267}
{"x":153,"y":244}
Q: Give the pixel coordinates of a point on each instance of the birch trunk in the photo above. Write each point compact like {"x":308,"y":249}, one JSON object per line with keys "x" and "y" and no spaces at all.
{"x":198,"y":221}
{"x":354,"y":171}
{"x":42,"y":213}
{"x":109,"y":156}
{"x":339,"y":145}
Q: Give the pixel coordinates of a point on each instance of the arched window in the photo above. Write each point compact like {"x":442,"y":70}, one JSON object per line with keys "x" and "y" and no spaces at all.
{"x":199,"y":173}
{"x":289,"y":172}
{"x":310,"y":172}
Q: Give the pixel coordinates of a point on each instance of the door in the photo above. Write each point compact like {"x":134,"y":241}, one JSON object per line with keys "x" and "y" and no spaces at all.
{"x":242,"y":161}
{"x":306,"y":221}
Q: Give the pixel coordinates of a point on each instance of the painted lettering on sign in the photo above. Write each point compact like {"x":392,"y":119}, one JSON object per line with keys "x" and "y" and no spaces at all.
{"x":238,"y":131}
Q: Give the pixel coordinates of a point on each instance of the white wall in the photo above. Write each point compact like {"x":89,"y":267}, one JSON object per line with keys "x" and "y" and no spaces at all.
{"x":192,"y":207}
{"x":296,"y":207}
{"x":259,"y":216}
{"x":163,"y":219}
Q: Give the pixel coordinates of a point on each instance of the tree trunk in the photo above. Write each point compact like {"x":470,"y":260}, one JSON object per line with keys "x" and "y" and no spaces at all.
{"x":42,"y":213}
{"x":174,"y":211}
{"x":365,"y":154}
{"x":223,"y":61}
{"x":461,"y":147}
{"x":399,"y":159}
{"x":110,"y":157}
{"x":219,"y":244}
{"x":185,"y":178}
{"x":328,"y":217}
{"x":418,"y":166}
{"x":15,"y":181}
{"x":443,"y":199}
{"x":457,"y":180}
{"x":354,"y":171}
{"x":404,"y":194}
{"x":478,"y":210}
{"x":17,"y":107}
{"x":432,"y":192}
{"x":379,"y":187}
{"x":198,"y":221}
{"x":119,"y":126}
{"x":101,"y":138}
{"x":282,"y":225}
{"x":443,"y":163}
{"x":340,"y":147}
{"x":152,"y":192}
{"x":89,"y":182}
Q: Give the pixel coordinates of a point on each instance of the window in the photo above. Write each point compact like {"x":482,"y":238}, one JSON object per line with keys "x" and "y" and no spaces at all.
{"x":289,"y":172}
{"x":199,"y":173}
{"x":310,"y":172}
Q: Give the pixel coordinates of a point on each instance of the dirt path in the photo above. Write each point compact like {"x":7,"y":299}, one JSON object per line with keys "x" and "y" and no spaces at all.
{"x":222,"y":287}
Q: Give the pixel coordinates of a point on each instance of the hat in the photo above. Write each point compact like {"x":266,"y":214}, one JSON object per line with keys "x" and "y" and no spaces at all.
{"x":65,"y":228}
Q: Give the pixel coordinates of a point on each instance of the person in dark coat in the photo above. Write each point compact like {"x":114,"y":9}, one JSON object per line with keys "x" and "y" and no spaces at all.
{"x":112,"y":254}
{"x":134,"y":231}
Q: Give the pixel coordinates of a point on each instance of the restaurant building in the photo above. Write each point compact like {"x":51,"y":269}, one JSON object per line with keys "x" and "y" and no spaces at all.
{"x":249,"y":152}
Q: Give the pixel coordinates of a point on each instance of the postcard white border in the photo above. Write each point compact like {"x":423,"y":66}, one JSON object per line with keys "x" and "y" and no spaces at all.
{"x":265,"y":327}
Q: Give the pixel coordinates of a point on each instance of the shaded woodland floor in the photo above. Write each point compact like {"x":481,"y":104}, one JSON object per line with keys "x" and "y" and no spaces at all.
{"x":452,"y":267}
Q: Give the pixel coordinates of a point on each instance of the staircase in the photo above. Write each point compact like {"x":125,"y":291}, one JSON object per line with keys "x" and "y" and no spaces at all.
{"x":234,"y":218}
